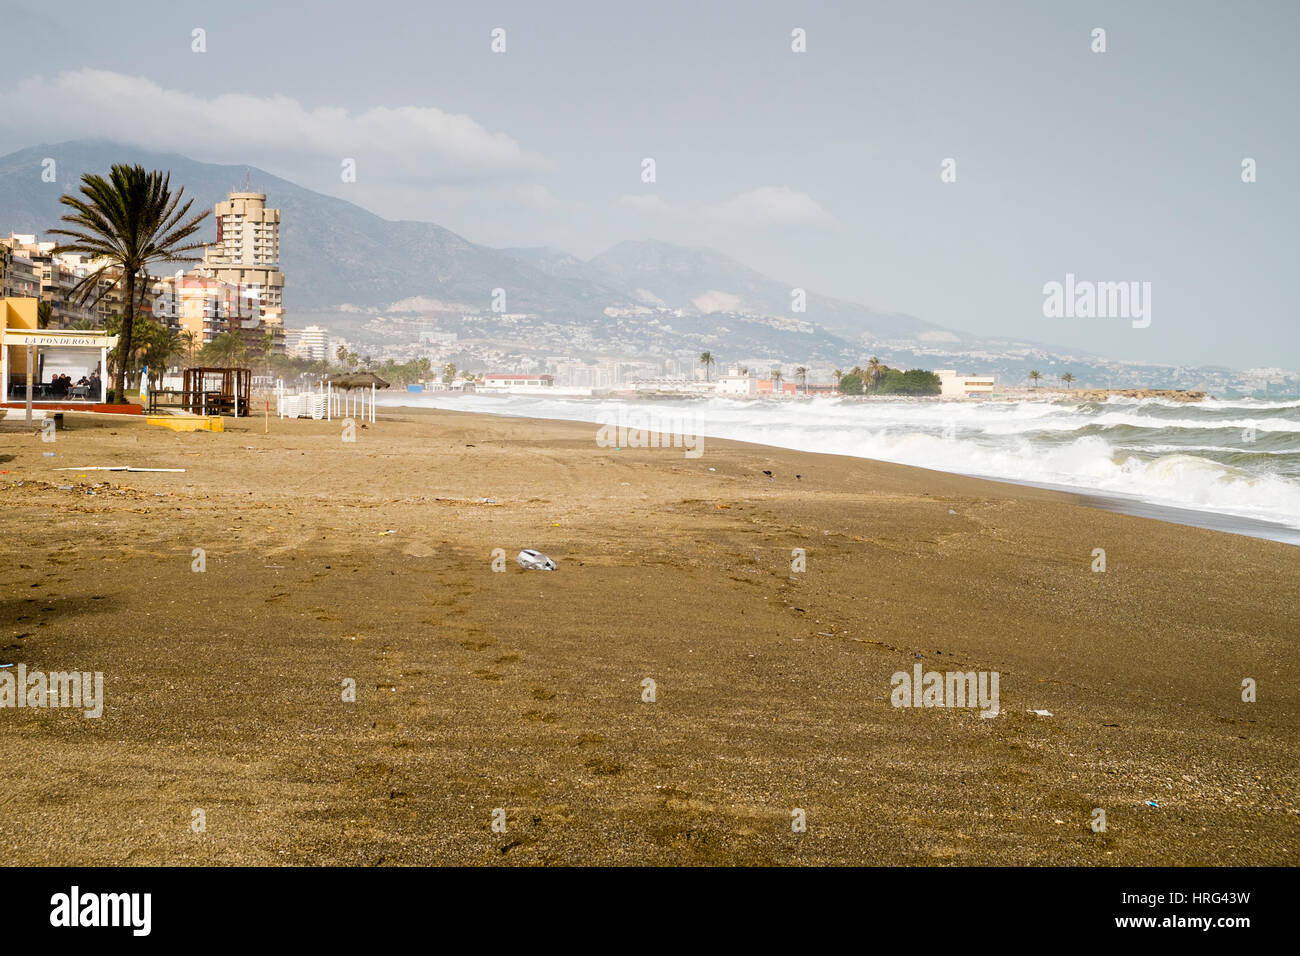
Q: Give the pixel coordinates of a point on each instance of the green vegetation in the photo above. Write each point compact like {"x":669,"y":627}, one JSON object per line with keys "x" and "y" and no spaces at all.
{"x":915,"y":381}
{"x":851,"y":384}
{"x":879,"y":379}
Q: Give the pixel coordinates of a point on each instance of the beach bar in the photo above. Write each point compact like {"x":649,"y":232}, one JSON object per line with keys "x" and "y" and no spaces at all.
{"x":66,"y":367}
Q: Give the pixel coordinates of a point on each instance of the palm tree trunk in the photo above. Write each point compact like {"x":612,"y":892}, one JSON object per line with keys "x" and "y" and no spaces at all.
{"x":124,"y":342}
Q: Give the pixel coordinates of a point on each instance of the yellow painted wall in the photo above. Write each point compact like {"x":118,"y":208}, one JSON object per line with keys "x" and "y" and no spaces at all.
{"x":18,"y":313}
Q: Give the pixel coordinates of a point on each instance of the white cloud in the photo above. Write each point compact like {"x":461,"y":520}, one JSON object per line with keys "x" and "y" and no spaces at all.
{"x":770,"y":206}
{"x":108,"y":105}
{"x":645,"y":202}
{"x":778,"y":206}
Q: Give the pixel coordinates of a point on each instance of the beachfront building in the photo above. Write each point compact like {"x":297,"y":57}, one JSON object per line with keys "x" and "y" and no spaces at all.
{"x":311,"y":343}
{"x":769,"y":389}
{"x":246,"y":256}
{"x":31,"y":268}
{"x":963,"y":386}
{"x":60,"y":276}
{"x":203,"y":306}
{"x":510,"y":380}
{"x":67,"y":367}
{"x":19,"y":277}
{"x":736,"y":385}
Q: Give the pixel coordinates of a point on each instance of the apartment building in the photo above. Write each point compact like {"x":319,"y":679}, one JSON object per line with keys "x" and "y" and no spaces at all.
{"x":312,"y":343}
{"x":246,"y":254}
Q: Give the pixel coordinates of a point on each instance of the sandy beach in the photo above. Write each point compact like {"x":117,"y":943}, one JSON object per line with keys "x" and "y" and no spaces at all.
{"x":372,"y":561}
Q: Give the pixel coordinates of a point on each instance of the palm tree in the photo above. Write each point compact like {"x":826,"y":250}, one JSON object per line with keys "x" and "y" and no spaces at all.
{"x":186,"y":340}
{"x":776,"y":381}
{"x":1034,"y":376}
{"x":707,"y":360}
{"x":342,"y":355}
{"x":226,"y":350}
{"x":875,"y":370}
{"x":44,"y":310}
{"x":126,"y":222}
{"x":801,"y":374}
{"x":161,"y":346}
{"x":1067,"y":378}
{"x":839,"y":374}
{"x":449,"y":372}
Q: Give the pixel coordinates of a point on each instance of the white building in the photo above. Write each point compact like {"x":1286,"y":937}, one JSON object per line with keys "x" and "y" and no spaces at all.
{"x":963,"y":386}
{"x":735,"y":385}
{"x":511,"y":380}
{"x":312,"y":343}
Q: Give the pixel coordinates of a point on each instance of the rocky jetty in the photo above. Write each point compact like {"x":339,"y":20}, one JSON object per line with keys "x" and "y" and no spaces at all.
{"x":1101,"y":394}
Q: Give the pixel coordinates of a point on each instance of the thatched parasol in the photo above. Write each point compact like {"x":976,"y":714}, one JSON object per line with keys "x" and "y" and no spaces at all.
{"x":351,"y":380}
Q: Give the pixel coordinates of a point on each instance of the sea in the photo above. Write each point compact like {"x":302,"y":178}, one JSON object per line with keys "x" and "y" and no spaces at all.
{"x":1233,"y":465}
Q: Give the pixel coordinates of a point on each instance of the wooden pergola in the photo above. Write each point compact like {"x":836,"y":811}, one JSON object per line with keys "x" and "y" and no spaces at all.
{"x":211,"y":391}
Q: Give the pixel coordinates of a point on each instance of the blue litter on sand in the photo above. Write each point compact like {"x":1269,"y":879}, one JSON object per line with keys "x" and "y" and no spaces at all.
{"x":48,"y":454}
{"x":6,"y":665}
{"x":1152,"y":803}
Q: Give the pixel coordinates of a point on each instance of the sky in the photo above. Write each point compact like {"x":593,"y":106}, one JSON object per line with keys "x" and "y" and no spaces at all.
{"x":820,"y":168}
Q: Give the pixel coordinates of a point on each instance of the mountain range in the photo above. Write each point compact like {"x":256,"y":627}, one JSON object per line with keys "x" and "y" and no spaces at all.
{"x":334,"y":252}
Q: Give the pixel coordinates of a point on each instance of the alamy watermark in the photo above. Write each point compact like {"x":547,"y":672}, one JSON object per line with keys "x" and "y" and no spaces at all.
{"x":80,"y":690}
{"x":1085,"y":299}
{"x":948,"y":689}
{"x":651,"y":428}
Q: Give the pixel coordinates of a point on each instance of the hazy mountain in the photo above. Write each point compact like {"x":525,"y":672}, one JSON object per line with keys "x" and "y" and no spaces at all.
{"x":685,"y":277}
{"x":334,"y":252}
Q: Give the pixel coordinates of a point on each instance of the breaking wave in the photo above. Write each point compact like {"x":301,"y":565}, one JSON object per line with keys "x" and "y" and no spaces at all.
{"x":1238,"y":458}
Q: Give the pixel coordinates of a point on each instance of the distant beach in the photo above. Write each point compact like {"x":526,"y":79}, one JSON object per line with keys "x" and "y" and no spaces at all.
{"x":1230,"y":465}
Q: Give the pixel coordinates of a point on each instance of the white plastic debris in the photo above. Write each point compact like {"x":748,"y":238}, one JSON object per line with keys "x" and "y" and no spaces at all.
{"x":1040,"y":713}
{"x":531,"y":560}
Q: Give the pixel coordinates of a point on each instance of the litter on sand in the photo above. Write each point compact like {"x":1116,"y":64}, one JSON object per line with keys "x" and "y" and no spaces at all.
{"x":1152,"y":803}
{"x":117,"y":468}
{"x":531,"y":560}
{"x":1040,"y":713}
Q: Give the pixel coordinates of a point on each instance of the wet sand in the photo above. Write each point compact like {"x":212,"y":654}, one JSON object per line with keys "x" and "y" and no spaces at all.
{"x":522,"y":690}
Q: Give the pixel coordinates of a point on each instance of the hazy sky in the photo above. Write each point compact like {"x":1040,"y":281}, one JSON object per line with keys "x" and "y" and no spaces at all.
{"x":821,"y":169}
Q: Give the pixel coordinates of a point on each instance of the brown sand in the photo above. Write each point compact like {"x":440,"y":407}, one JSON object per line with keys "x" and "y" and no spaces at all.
{"x":523,"y":690}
